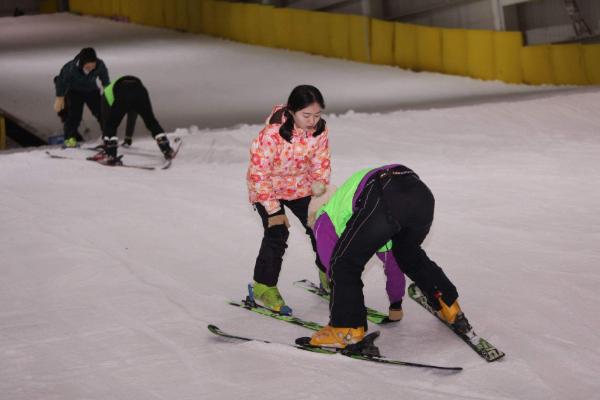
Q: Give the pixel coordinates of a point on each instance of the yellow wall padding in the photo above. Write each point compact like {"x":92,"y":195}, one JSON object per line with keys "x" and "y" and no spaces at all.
{"x":382,"y":42}
{"x":251,"y":21}
{"x":194,"y":12}
{"x":223,"y":19}
{"x":282,"y":28}
{"x":339,"y":36}
{"x":429,"y":49}
{"x":480,"y":54}
{"x":266,"y":26}
{"x":320,"y":25}
{"x":48,"y":6}
{"x":567,"y":60}
{"x":591,"y":59}
{"x":359,"y":38}
{"x":238,"y":22}
{"x":507,"y":49}
{"x":209,"y":17}
{"x":301,"y":30}
{"x":176,"y":14}
{"x":454,"y":51}
{"x":116,"y":7}
{"x":537,"y":65}
{"x":405,"y":46}
{"x":132,"y":10}
{"x":106,"y":8}
{"x":153,"y":13}
{"x":77,"y":6}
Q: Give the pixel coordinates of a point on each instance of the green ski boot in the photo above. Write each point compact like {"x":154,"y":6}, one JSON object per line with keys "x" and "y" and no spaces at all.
{"x":269,"y":297}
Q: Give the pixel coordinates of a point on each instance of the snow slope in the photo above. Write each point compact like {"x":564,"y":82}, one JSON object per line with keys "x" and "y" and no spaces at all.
{"x":110,"y":276}
{"x":191,"y":78}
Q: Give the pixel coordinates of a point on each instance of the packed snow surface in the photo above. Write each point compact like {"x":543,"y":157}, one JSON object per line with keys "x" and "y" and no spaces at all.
{"x":111,"y":275}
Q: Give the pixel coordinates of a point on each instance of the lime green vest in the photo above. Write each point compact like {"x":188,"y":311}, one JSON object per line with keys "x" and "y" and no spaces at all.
{"x":339,"y":206}
{"x":109,"y":94}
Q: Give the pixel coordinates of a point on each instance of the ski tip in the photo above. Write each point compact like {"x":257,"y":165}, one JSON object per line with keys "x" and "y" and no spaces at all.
{"x":303,"y":341}
{"x":372,"y":336}
{"x":285,"y":310}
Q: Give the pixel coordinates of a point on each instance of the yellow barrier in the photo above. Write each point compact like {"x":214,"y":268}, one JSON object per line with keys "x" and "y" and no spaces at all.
{"x":507,"y":48}
{"x":209,"y":17}
{"x":359,"y":38}
{"x":339,"y":38}
{"x":567,"y":60}
{"x":476,"y":53}
{"x":116,"y":8}
{"x":105,"y":8}
{"x":429,"y":49}
{"x":301,"y":30}
{"x":382,"y":42}
{"x":223,"y":19}
{"x":251,"y":21}
{"x":405,"y":46}
{"x":238,"y":22}
{"x":282,"y":28}
{"x":480,"y":54}
{"x":194,"y":12}
{"x":2,"y":133}
{"x":75,"y":5}
{"x":48,"y":6}
{"x":537,"y":65}
{"x":320,"y":25}
{"x":176,"y":14}
{"x":591,"y":58}
{"x":454,"y":51}
{"x":266,"y":26}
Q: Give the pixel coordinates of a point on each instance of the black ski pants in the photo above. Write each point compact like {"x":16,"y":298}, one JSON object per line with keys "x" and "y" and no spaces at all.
{"x":274,"y":242}
{"x":131,"y":97}
{"x":74,"y":101}
{"x":394,"y":205}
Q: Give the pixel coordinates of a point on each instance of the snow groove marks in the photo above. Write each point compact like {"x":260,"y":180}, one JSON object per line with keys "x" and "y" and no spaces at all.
{"x":220,"y":147}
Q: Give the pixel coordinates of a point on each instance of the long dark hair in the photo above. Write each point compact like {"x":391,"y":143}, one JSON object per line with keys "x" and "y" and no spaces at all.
{"x":301,"y":97}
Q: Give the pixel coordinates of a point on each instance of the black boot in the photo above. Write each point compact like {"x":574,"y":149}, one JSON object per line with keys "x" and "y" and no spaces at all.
{"x":126,"y":141}
{"x":163,"y":144}
{"x":110,"y":148}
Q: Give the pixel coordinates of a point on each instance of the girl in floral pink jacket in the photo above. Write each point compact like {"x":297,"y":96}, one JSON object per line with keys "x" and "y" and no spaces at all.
{"x":289,"y":162}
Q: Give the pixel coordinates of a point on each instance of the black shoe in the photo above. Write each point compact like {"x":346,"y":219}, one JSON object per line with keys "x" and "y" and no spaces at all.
{"x":163,"y":144}
{"x":126,"y":142}
{"x":461,"y":324}
{"x":110,"y":146}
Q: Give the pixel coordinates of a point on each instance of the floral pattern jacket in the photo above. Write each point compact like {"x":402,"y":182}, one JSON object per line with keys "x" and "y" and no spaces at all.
{"x":280,"y":170}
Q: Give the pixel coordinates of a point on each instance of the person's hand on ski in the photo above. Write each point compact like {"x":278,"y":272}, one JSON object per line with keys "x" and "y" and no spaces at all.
{"x":59,"y":104}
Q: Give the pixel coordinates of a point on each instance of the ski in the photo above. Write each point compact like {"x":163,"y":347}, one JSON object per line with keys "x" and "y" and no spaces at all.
{"x":481,"y":346}
{"x":373,"y":315}
{"x":100,"y":149}
{"x":355,"y":352}
{"x":257,"y":308}
{"x":101,"y":162}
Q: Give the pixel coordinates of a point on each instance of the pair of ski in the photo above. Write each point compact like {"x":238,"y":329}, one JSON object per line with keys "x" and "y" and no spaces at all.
{"x":100,"y":158}
{"x":364,"y":350}
{"x":480,"y":345}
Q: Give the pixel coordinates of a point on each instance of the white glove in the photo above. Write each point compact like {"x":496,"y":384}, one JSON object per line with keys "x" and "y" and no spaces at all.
{"x":318,"y":201}
{"x":318,"y":188}
{"x":59,"y":104}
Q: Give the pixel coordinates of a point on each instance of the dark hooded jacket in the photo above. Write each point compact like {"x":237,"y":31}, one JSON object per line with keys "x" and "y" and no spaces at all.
{"x":72,"y":77}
